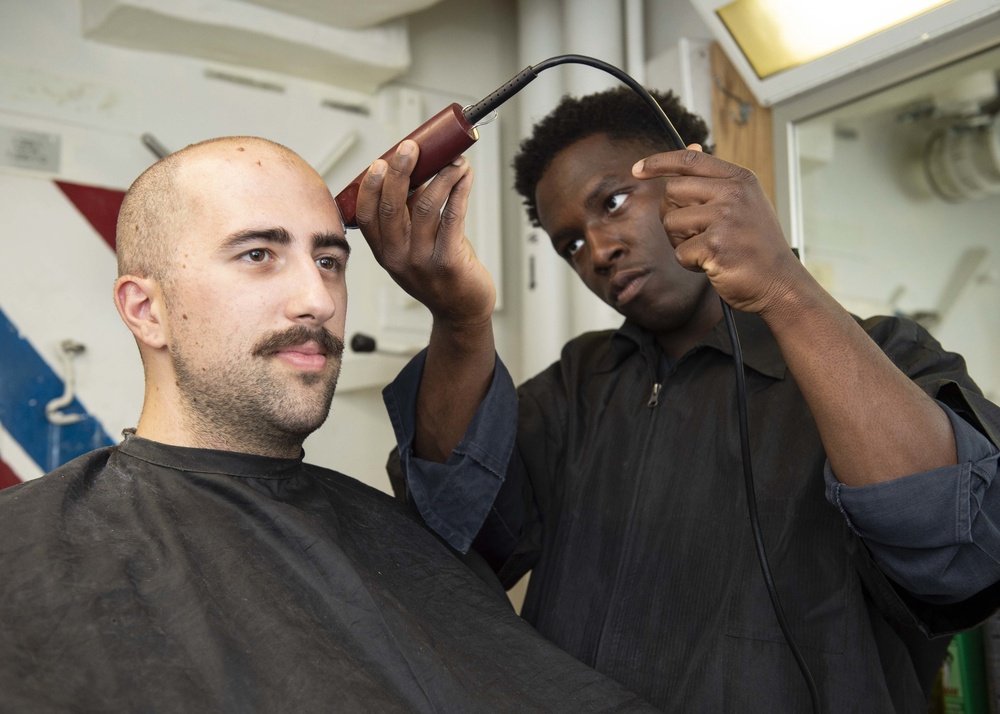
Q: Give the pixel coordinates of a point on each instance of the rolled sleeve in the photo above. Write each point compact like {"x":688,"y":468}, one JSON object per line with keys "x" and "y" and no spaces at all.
{"x":934,"y":533}
{"x":454,"y":498}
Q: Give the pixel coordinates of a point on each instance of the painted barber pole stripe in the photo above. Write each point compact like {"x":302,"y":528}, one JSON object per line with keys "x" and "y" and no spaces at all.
{"x":7,"y":475}
{"x":60,"y":237}
{"x":27,"y":385}
{"x":15,"y":465}
{"x":98,"y":205}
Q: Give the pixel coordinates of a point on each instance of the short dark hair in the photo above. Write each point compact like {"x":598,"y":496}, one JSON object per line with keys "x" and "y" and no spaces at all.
{"x":619,"y":112}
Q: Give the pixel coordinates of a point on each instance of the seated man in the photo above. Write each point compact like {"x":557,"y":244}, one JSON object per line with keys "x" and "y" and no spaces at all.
{"x":873,"y":450}
{"x":200,"y":565}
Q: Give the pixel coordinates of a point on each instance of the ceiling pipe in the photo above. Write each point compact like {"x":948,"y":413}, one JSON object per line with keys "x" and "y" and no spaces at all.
{"x":635,"y":41}
{"x":545,"y":309}
{"x":594,"y":28}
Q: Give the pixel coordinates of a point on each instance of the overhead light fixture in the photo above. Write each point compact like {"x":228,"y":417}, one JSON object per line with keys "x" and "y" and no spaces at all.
{"x":784,"y":47}
{"x":776,"y":35}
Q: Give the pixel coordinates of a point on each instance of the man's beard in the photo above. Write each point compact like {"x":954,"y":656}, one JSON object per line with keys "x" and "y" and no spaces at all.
{"x":246,"y":404}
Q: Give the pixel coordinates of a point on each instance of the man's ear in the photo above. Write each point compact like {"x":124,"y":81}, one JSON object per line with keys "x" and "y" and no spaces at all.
{"x":140,"y":304}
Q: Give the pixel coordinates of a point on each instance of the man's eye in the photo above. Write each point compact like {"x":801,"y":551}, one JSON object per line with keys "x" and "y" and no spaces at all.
{"x":572,"y":247}
{"x":257,"y":255}
{"x":329,"y":262}
{"x":615,"y":201}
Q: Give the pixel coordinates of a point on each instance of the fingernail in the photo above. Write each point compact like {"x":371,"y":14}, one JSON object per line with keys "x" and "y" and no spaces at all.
{"x":459,"y":161}
{"x":405,"y":148}
{"x":378,"y":167}
{"x":638,"y":166}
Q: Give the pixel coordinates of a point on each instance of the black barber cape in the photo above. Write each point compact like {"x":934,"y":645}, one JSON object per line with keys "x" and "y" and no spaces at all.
{"x":154,"y":578}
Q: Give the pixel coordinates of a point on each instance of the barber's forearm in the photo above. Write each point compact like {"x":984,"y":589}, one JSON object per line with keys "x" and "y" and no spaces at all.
{"x":456,"y":377}
{"x":876,"y":424}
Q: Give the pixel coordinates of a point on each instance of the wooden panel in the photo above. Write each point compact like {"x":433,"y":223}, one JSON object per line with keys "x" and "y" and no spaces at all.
{"x":741,"y":128}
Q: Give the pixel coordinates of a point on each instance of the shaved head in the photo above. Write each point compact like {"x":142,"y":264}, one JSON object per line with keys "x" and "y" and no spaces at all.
{"x":156,"y":207}
{"x":232,"y":278}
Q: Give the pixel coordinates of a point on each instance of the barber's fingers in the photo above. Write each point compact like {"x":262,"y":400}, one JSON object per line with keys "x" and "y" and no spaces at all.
{"x":692,"y":177}
{"x":706,"y":241}
{"x":456,"y":286}
{"x":389,"y":181}
{"x":438,"y":209}
{"x":455,"y":210}
{"x":682,"y":223}
{"x":689,"y":162}
{"x":388,"y":213}
{"x":382,"y":212}
{"x":419,"y":239}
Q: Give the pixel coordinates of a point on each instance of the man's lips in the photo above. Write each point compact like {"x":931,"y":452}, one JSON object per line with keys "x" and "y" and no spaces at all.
{"x":625,"y":285}
{"x":308,"y":348}
{"x":309,"y":357}
{"x":303,"y":348}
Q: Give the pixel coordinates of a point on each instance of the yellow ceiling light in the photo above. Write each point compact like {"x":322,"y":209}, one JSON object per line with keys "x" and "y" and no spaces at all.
{"x":776,"y":35}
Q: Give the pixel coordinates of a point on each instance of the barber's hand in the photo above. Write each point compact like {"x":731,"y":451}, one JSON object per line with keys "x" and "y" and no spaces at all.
{"x":420,"y":240}
{"x":719,"y":221}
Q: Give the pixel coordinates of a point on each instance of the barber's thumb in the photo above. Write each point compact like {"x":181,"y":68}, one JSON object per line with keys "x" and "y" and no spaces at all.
{"x":694,"y":147}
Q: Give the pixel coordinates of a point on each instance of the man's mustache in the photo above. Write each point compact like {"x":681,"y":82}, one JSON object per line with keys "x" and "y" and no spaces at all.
{"x":332,"y":345}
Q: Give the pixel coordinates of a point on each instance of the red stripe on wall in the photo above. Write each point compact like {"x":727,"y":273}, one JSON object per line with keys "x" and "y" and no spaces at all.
{"x":98,"y":205}
{"x":7,"y":476}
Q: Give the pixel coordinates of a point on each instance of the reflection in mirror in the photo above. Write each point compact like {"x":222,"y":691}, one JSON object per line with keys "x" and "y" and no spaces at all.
{"x":900,"y":206}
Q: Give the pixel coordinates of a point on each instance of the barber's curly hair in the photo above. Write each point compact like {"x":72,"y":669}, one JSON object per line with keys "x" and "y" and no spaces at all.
{"x":619,"y":112}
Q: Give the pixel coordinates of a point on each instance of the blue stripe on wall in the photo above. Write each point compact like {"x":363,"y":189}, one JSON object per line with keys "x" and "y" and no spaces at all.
{"x":27,"y":384}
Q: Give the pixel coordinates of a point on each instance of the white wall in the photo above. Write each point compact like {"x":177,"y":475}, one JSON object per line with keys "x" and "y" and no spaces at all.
{"x":667,"y":22}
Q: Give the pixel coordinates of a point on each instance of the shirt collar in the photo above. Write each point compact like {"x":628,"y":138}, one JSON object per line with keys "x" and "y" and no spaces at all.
{"x":757,"y":344}
{"x":230,"y":463}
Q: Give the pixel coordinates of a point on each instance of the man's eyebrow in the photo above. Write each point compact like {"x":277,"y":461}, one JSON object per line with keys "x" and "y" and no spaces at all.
{"x":280,"y":236}
{"x":277,"y":236}
{"x":601,"y":189}
{"x":563,"y":235}
{"x":331,"y":240}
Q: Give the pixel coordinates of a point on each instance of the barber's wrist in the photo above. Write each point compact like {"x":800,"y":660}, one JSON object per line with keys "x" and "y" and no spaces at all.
{"x":796,"y":301}
{"x":467,"y":333}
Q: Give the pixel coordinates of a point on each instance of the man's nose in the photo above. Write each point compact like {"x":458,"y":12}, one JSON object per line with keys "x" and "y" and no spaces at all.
{"x":605,"y":246}
{"x":311,"y":298}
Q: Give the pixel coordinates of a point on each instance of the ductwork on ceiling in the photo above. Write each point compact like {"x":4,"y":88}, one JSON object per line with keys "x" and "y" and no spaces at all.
{"x":355,"y":45}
